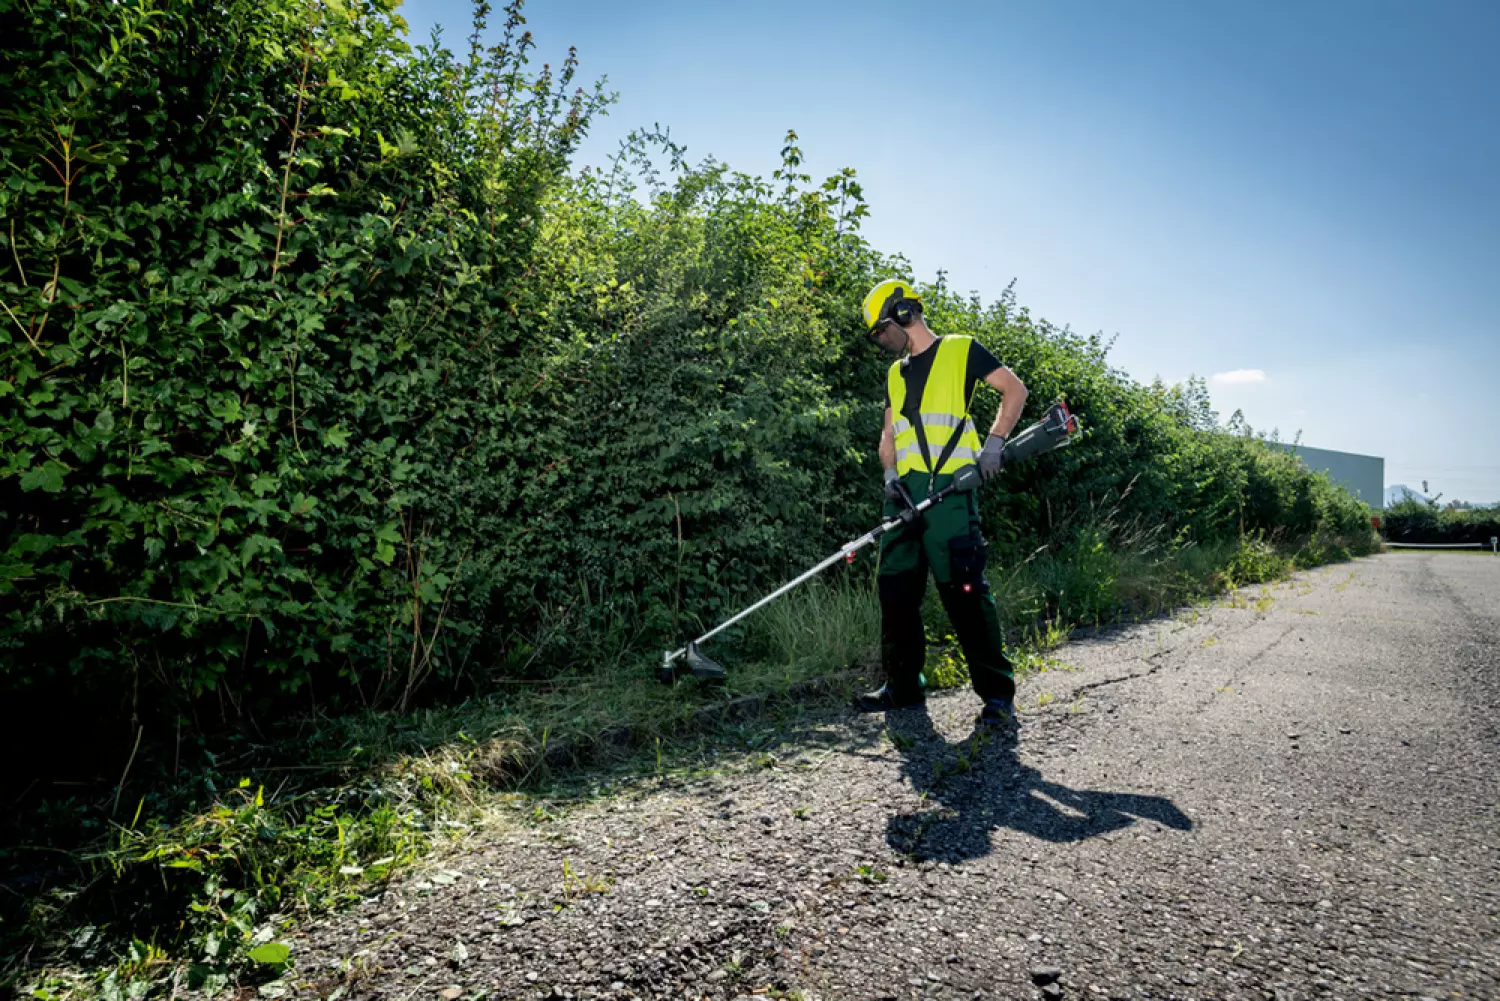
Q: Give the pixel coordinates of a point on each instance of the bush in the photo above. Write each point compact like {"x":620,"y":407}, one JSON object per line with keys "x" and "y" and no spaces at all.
{"x":261,"y":379}
{"x":1418,"y":521}
{"x":1257,"y":561}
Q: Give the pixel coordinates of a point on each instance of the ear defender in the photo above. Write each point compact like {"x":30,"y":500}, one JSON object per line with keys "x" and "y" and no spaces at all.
{"x":898,"y":307}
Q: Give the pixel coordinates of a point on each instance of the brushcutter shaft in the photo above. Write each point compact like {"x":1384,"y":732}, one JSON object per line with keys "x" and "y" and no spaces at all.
{"x":852,"y":547}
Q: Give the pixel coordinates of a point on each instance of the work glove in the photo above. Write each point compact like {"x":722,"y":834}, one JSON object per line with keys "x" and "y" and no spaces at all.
{"x":992,"y":457}
{"x":892,"y":485}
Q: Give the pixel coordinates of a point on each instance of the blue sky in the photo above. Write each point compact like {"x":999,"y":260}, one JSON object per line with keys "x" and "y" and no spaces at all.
{"x":1302,"y":199}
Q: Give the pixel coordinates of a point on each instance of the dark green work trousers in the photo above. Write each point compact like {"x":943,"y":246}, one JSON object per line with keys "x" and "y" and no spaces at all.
{"x":947,"y":540}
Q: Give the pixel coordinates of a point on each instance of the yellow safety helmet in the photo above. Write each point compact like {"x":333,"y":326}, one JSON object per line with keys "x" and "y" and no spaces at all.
{"x":892,"y":299}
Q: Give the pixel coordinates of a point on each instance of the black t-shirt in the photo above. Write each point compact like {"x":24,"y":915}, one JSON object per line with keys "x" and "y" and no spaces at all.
{"x":916,"y":369}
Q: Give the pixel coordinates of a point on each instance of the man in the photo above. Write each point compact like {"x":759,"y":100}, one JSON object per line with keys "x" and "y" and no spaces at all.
{"x":928,"y":437}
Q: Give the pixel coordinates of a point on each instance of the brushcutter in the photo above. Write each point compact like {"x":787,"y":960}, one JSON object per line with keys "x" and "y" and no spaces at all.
{"x":1057,"y":428}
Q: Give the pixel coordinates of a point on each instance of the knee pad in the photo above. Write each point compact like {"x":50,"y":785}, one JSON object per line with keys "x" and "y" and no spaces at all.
{"x":964,"y":596}
{"x":966,"y":562}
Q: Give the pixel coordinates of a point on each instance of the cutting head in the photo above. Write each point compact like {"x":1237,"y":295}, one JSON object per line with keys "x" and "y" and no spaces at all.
{"x":699,"y":666}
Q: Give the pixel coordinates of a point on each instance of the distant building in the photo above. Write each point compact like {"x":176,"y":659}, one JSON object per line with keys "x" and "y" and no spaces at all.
{"x":1401,"y":492}
{"x":1364,"y":475}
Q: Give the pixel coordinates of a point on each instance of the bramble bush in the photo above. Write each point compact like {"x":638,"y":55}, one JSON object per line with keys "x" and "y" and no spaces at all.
{"x":325,"y":380}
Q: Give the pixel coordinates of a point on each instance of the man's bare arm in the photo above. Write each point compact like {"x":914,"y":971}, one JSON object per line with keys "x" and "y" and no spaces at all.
{"x":1012,"y":398}
{"x":888,"y":443}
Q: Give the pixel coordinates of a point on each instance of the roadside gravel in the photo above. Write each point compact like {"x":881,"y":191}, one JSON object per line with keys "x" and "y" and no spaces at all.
{"x":1289,"y":795}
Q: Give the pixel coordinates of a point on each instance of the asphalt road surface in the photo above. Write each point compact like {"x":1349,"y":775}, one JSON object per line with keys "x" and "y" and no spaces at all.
{"x":1289,"y":795}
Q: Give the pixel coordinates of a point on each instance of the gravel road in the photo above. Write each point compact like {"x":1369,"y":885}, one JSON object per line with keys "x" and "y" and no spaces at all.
{"x":1288,"y":795}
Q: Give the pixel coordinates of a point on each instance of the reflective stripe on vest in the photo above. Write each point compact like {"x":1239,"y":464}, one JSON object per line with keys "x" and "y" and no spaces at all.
{"x":943,"y":411}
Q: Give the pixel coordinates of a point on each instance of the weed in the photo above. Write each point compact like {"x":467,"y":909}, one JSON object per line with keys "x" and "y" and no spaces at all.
{"x":576,"y":884}
{"x":870,"y":874}
{"x":1257,"y":561}
{"x":947,"y":668}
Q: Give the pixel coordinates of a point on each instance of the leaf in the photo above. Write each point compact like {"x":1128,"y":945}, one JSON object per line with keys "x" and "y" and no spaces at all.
{"x":227,"y":409}
{"x":385,"y":542}
{"x":270,"y":954}
{"x":47,"y":477}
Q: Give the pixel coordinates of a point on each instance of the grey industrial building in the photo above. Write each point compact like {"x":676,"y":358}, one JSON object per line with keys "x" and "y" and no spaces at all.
{"x":1364,"y":475}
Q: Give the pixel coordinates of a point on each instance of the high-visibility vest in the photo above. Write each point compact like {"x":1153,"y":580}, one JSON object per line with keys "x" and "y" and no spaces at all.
{"x":943,"y":411}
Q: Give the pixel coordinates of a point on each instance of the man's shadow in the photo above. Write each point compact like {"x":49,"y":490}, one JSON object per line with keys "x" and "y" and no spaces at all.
{"x":979,"y":785}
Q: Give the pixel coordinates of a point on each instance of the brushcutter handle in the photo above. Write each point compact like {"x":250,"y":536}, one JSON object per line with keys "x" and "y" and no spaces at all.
{"x":909,"y":512}
{"x":966,"y":480}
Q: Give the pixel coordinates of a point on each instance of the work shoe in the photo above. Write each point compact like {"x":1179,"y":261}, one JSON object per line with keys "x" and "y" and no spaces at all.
{"x":881,"y":700}
{"x":998,"y":713}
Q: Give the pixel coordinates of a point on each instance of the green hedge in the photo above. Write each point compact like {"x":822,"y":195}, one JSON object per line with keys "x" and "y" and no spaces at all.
{"x":1418,"y":521}
{"x":261,"y":274}
{"x":326,"y":380}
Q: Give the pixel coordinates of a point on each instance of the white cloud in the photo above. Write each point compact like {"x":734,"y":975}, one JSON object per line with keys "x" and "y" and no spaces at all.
{"x":1238,"y":377}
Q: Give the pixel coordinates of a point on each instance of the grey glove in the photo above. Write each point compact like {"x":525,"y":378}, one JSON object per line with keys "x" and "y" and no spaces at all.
{"x":892,"y":485}
{"x":992,"y":457}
